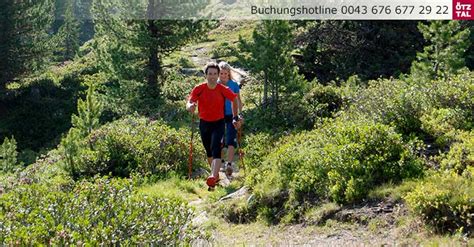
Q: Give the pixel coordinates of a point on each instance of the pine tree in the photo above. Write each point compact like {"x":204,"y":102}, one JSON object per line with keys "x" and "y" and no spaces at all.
{"x":269,"y":54}
{"x":68,"y":34}
{"x":70,"y":147}
{"x":8,"y":155}
{"x":444,"y":55}
{"x":25,"y":45}
{"x":89,"y":111}
{"x":141,"y":45}
{"x":86,"y":120}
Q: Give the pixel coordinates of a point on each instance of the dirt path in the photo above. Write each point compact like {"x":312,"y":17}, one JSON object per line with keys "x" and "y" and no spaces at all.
{"x":374,"y":223}
{"x":379,"y":230}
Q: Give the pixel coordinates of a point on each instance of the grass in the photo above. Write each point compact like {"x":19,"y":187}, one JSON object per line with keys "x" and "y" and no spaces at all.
{"x":436,"y":241}
{"x":392,"y":192}
{"x":188,"y":190}
{"x":257,"y":233}
{"x":317,"y":215}
{"x":174,"y":187}
{"x":179,"y":57}
{"x":230,"y":31}
{"x":227,"y":32}
{"x":375,"y":225}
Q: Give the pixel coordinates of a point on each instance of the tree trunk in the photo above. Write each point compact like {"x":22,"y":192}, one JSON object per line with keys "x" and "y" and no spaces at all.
{"x":277,"y":98}
{"x":154,"y":66}
{"x":273,"y":97}
{"x":265,"y":89}
{"x":153,"y":61}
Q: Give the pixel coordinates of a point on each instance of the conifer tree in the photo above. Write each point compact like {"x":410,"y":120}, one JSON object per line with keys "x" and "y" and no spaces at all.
{"x":8,"y":155}
{"x":68,"y":34}
{"x":444,"y":55}
{"x":268,"y":54}
{"x":25,"y":45}
{"x":139,"y":45}
{"x":86,"y":120}
{"x":88,"y":112}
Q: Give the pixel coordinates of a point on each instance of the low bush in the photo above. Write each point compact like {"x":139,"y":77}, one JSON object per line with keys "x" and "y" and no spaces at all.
{"x":237,"y":211}
{"x":131,"y":144}
{"x":340,"y":161}
{"x":255,"y":148}
{"x":415,"y":107}
{"x":445,"y":201}
{"x":442,"y":124}
{"x":322,"y":101}
{"x":44,"y":170}
{"x":298,"y":111}
{"x":391,"y":102}
{"x":98,"y":212}
{"x":177,"y":87}
{"x":460,"y":155}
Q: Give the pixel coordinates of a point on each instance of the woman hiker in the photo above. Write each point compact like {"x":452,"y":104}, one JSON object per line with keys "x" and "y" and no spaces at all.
{"x":226,"y":79}
{"x":210,"y":98}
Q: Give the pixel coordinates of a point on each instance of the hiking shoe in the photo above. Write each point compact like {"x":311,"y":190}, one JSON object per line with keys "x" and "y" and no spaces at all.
{"x":212,"y":182}
{"x":222,"y":169}
{"x":228,"y":169}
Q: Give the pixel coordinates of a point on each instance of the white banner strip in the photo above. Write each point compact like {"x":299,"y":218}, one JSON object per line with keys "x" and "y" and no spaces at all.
{"x":285,"y":9}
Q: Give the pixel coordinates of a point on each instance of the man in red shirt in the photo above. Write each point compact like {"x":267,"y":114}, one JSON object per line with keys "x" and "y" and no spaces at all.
{"x":210,"y":98}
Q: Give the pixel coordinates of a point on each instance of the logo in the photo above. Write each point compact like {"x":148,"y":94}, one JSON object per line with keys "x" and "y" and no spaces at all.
{"x":463,"y":9}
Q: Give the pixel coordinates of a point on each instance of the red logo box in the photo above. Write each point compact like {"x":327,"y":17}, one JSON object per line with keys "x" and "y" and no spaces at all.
{"x":463,"y":9}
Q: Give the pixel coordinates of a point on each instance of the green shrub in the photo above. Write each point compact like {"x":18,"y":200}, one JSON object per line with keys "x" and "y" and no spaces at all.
{"x":124,"y":97}
{"x":256,"y":147}
{"x":322,"y":101}
{"x":27,"y":156}
{"x":99,"y":212}
{"x":133,"y":144}
{"x":445,"y":201}
{"x":340,"y":161}
{"x":455,"y":93}
{"x":8,"y":155}
{"x":236,"y":211}
{"x":300,"y":111}
{"x":391,"y":102}
{"x":259,"y":120}
{"x":184,"y":62}
{"x":223,"y":49}
{"x":411,"y":107}
{"x":460,"y":155}
{"x":442,"y":124}
{"x":40,"y":111}
{"x":177,"y":87}
{"x":44,"y":170}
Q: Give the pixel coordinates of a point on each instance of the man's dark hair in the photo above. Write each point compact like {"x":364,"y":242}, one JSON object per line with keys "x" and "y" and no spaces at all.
{"x":211,"y":65}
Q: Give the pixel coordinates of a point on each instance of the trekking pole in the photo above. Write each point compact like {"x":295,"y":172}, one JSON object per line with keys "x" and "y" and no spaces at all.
{"x":190,"y":162}
{"x":241,"y":154}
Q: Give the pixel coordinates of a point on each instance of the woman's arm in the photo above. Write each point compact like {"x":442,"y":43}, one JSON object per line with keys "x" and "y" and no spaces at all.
{"x":240,"y":103}
{"x":235,"y":115}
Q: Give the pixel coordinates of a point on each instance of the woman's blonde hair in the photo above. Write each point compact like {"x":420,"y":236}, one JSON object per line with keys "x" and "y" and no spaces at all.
{"x":234,"y":74}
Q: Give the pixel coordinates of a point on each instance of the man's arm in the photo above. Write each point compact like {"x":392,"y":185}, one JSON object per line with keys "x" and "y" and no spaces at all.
{"x":191,"y":106}
{"x":192,"y":100}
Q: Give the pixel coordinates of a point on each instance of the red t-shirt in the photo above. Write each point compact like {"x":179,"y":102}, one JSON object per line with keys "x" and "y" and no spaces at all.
{"x":211,"y":101}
